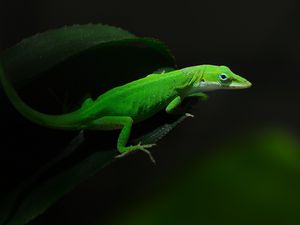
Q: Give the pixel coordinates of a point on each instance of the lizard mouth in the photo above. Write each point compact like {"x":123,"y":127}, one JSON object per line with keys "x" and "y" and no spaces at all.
{"x":240,"y":85}
{"x":238,"y":82}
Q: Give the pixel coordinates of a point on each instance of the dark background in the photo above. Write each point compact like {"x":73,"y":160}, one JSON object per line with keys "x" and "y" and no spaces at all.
{"x":259,"y":40}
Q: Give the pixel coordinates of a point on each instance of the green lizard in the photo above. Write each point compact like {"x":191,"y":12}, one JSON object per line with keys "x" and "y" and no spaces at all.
{"x":133,"y":102}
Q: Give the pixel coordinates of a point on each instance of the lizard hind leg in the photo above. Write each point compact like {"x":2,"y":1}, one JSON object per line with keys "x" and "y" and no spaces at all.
{"x":124,"y":123}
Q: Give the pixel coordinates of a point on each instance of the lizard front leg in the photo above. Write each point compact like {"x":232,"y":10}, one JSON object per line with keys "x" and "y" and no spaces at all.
{"x":173,"y":105}
{"x":124,"y":123}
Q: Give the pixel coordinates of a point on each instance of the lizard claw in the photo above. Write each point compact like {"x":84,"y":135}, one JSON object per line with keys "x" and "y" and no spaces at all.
{"x":150,"y":155}
{"x":144,"y":149}
{"x":189,"y":115}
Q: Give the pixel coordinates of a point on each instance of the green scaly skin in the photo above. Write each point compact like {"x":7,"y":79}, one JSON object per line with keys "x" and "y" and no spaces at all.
{"x":133,"y":102}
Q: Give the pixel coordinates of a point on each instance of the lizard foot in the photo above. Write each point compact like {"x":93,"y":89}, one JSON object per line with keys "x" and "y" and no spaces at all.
{"x":138,"y":147}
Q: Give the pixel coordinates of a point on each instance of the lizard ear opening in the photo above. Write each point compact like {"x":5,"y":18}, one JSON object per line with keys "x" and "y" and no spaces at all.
{"x":199,"y":84}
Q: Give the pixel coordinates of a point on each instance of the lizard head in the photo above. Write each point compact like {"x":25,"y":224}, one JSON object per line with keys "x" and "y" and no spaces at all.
{"x":220,"y":77}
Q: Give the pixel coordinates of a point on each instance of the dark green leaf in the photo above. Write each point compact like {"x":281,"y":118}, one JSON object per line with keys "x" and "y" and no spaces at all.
{"x":253,"y":180}
{"x":36,"y":194}
{"x":43,"y":51}
{"x":70,"y":63}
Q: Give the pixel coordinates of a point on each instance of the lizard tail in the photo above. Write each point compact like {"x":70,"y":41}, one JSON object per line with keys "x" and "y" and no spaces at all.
{"x":66,"y":121}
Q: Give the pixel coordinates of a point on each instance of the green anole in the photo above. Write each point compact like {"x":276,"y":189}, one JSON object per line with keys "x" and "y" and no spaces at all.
{"x":133,"y":102}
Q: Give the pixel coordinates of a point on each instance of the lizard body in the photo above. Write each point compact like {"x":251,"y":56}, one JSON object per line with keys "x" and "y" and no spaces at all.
{"x":133,"y":102}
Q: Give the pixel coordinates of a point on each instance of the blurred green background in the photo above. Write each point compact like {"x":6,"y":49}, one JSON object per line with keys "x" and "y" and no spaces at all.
{"x":254,"y":180}
{"x":236,"y":162}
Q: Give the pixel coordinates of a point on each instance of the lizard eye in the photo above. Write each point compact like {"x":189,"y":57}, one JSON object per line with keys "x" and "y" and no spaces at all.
{"x":223,"y":77}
